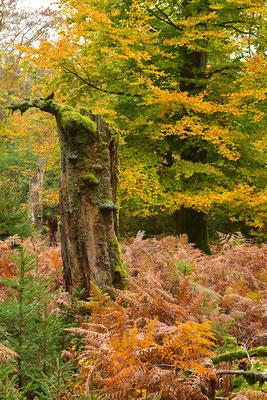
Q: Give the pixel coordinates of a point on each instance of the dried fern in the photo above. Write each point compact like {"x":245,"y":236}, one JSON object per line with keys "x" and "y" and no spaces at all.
{"x":231,"y":239}
{"x":6,"y":353}
{"x":133,"y":356}
{"x":250,"y":395}
{"x":132,"y":345}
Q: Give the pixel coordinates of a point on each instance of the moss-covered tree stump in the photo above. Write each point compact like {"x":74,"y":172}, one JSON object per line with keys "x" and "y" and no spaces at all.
{"x":88,"y":197}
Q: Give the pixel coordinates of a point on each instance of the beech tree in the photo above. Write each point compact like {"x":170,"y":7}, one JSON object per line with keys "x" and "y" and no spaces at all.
{"x":18,"y":27}
{"x":182,"y":80}
{"x":34,"y":138}
{"x":88,"y":197}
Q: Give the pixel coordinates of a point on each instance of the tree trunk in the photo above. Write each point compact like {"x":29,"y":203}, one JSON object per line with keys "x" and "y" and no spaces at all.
{"x":36,"y":184}
{"x":53,"y":228}
{"x":188,"y":220}
{"x":88,"y":209}
{"x":194,"y":224}
{"x":88,"y":195}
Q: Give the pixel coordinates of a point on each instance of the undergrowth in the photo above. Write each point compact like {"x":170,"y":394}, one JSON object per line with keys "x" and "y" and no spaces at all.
{"x":154,"y":340}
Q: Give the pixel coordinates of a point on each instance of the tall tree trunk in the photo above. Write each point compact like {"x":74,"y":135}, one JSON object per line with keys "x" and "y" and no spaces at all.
{"x":88,"y":194}
{"x":35,"y":212}
{"x":188,"y":220}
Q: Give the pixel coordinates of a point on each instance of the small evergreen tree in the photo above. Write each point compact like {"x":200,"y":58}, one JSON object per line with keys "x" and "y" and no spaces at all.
{"x":13,"y":216}
{"x":30,"y":327}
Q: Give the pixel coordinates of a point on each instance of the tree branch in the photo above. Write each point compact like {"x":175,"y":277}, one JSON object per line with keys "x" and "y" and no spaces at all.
{"x":168,"y":18}
{"x":168,"y":21}
{"x":226,"y":68}
{"x":46,"y":105}
{"x":230,"y":22}
{"x":88,"y":83}
{"x":235,"y":29}
{"x":250,"y":376}
{"x":247,"y":354}
{"x":239,"y":354}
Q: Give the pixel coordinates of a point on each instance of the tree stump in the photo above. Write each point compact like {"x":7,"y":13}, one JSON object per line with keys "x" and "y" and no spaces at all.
{"x":88,"y":196}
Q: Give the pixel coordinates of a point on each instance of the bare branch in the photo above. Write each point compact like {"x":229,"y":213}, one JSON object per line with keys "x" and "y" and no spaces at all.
{"x":168,"y":21}
{"x":223,"y":69}
{"x":88,"y":83}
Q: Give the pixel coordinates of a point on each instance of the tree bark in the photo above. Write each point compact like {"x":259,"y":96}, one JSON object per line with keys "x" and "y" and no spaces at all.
{"x":88,"y":196}
{"x":35,"y":212}
{"x":53,"y":228}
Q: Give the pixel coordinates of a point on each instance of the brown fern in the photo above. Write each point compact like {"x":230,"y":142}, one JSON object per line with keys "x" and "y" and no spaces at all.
{"x":143,"y":356}
{"x":248,"y":394}
{"x":6,"y":353}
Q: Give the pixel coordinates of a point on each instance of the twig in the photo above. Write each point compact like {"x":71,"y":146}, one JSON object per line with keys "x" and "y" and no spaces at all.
{"x":247,"y":353}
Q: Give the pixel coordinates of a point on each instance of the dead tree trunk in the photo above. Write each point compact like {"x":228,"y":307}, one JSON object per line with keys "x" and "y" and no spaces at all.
{"x":53,"y":227}
{"x":88,"y":195}
{"x":35,"y":212}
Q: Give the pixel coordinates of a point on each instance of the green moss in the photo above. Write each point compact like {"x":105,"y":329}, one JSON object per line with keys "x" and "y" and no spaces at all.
{"x":76,"y":124}
{"x":109,"y":206}
{"x":90,"y":178}
{"x":248,"y":380}
{"x":258,"y":352}
{"x":84,"y":111}
{"x":120,"y":272}
{"x":251,"y":378}
{"x":239,"y":354}
{"x":66,"y":109}
{"x":98,"y":167}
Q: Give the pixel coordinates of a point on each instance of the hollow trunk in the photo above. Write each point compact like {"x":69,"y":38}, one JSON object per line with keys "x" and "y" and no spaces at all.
{"x":35,"y":212}
{"x":88,"y":196}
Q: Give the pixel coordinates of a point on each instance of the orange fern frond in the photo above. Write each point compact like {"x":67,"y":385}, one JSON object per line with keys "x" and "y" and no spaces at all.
{"x":184,"y":292}
{"x":6,"y":353}
{"x":191,"y":342}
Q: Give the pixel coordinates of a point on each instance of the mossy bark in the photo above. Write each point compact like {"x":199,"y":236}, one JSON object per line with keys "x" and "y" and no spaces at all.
{"x":88,"y":228}
{"x":88,"y":196}
{"x":239,"y":354}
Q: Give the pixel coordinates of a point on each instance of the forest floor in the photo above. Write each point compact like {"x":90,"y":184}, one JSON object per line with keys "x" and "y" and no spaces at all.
{"x":163,"y":337}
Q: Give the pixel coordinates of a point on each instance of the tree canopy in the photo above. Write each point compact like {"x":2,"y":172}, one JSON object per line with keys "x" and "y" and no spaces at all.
{"x":182,"y":80}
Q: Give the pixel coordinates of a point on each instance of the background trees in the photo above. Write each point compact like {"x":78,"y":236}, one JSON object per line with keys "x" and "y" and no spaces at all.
{"x":18,"y":27}
{"x":182,"y":80}
{"x":24,"y":145}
